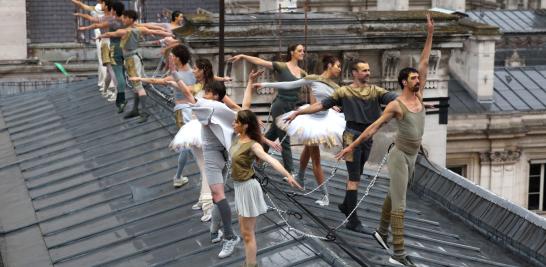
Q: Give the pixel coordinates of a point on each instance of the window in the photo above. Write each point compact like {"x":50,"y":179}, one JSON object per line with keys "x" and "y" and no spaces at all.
{"x":460,"y":170}
{"x":537,"y":187}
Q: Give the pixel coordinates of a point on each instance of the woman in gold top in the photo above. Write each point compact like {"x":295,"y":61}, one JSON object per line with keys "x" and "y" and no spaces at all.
{"x":249,"y":199}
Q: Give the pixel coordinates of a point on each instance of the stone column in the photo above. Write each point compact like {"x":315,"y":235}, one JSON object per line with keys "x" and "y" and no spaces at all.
{"x":473,"y":66}
{"x":13,"y":44}
{"x":457,"y":5}
{"x":500,"y":168}
{"x":388,"y":5}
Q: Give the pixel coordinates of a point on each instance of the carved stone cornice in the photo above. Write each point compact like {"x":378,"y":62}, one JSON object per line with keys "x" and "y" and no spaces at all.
{"x":390,"y":64}
{"x":501,"y":157}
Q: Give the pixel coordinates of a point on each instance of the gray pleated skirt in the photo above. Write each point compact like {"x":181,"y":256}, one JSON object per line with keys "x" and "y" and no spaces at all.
{"x":249,"y":198}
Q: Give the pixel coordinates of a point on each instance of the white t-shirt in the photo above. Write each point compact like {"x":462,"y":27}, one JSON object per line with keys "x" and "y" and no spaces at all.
{"x":97,"y":13}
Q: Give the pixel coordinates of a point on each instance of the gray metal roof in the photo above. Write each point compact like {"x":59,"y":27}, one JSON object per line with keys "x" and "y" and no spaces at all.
{"x":515,"y":90}
{"x":534,"y":56}
{"x":90,"y":189}
{"x":512,"y":21}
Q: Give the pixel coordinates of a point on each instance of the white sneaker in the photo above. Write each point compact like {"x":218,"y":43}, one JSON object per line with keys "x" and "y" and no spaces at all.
{"x":197,"y":206}
{"x":228,"y":247}
{"x":178,"y":182}
{"x":216,"y":237}
{"x":324,"y":201}
{"x":207,"y":214}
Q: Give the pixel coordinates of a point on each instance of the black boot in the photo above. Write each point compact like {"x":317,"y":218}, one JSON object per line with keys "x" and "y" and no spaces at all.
{"x":134,"y":112}
{"x":121,"y":102}
{"x":144,"y":111}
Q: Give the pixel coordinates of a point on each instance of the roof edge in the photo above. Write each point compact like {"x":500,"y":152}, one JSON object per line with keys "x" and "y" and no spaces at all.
{"x":506,"y":223}
{"x":20,"y":236}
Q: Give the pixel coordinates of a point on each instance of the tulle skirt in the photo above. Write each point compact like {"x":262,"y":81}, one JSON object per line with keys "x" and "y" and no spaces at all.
{"x":189,"y":135}
{"x":324,"y":129}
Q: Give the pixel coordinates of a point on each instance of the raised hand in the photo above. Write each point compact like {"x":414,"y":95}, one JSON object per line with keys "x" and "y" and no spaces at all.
{"x":254,"y":75}
{"x":430,"y":24}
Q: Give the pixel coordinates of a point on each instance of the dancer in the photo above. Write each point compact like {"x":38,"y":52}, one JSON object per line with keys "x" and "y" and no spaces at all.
{"x":167,"y":43}
{"x":309,"y":129}
{"x":97,"y":11}
{"x":105,"y":57}
{"x":113,"y":23}
{"x":409,"y":111}
{"x":129,"y":43}
{"x":204,"y":73}
{"x":361,"y":103}
{"x":189,"y":134}
{"x":217,"y":135}
{"x":249,"y":199}
{"x":286,"y":99}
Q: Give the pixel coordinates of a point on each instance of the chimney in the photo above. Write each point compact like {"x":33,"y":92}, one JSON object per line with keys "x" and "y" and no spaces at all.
{"x":272,"y":6}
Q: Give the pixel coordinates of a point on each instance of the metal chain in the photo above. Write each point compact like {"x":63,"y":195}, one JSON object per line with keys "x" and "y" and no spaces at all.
{"x":324,"y":182}
{"x":329,"y":236}
{"x":372,"y":183}
{"x":290,"y":227}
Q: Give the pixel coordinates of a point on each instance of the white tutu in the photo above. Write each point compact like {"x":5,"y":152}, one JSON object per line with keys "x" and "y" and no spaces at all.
{"x":325,"y":129}
{"x":188,"y":135}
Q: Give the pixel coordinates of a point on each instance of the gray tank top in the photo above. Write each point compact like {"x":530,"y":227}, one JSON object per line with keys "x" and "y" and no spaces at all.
{"x":410,"y":129}
{"x":187,"y":77}
{"x":129,"y":42}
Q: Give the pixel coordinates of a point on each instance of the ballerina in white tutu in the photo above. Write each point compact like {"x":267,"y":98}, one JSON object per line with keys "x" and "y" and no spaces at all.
{"x":323,"y":128}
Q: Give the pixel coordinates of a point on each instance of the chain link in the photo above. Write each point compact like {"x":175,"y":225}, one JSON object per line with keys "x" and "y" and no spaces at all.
{"x":372,"y":183}
{"x":333,"y":173}
{"x":290,"y":227}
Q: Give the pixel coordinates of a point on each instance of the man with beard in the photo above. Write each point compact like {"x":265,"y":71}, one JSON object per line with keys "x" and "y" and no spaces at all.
{"x":361,"y":103}
{"x":409,"y":111}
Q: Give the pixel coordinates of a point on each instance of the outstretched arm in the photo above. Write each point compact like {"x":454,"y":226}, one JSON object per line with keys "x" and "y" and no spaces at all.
{"x":159,"y":81}
{"x":247,"y":97}
{"x":423,"y":61}
{"x":185,"y":89}
{"x":101,"y":25}
{"x":161,"y":33}
{"x":230,"y":103}
{"x":222,"y":79}
{"x":260,"y":153}
{"x":284,"y":85}
{"x":254,"y":60}
{"x":314,"y":108}
{"x":83,"y":6}
{"x":87,"y":17}
{"x":152,"y":26}
{"x":392,"y":110}
{"x":118,"y":33}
